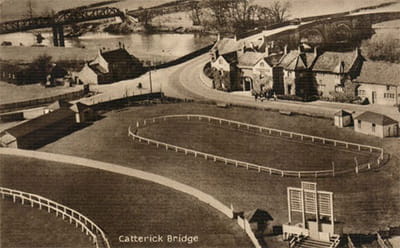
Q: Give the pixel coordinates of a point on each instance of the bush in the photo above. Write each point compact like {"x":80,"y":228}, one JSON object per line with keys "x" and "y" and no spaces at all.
{"x":208,"y":70}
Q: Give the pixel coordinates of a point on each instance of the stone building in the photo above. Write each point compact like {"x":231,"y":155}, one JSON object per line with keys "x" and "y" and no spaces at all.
{"x":111,"y":66}
{"x":376,"y":124}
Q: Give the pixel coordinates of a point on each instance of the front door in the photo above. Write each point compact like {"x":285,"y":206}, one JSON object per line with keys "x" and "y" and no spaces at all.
{"x":373,"y":97}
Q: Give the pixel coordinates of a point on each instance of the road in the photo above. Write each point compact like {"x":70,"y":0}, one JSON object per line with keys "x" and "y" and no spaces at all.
{"x":189,"y":81}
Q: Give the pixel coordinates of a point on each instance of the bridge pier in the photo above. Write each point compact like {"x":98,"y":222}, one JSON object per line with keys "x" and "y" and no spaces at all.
{"x":58,"y":36}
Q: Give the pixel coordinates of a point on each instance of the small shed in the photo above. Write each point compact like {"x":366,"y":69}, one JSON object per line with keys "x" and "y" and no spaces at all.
{"x":259,"y":216}
{"x":83,"y":113}
{"x":343,"y":118}
{"x":376,"y":124}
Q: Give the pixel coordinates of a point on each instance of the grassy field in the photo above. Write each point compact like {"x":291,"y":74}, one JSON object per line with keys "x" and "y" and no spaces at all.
{"x":15,"y":93}
{"x":19,"y":222}
{"x":357,"y":198}
{"x":250,"y":146}
{"x":121,"y":205}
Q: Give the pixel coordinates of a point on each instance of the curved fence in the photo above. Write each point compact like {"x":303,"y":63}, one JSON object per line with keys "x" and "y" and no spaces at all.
{"x":80,"y":221}
{"x":265,"y":130}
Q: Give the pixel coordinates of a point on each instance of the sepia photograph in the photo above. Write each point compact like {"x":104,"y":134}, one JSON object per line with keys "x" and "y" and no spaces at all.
{"x":200,"y":123}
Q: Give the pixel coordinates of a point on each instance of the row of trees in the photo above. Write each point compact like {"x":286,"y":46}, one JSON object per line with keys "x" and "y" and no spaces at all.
{"x":238,"y":15}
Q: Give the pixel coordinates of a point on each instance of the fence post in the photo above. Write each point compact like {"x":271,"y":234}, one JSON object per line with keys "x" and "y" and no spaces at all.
{"x":282,"y":173}
{"x":333,"y":168}
{"x":355,"y":160}
{"x":299,"y":174}
{"x":369,"y":166}
{"x":137,"y":124}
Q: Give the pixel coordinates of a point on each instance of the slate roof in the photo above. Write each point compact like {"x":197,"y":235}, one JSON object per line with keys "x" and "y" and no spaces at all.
{"x":227,"y":45}
{"x":332,"y":61}
{"x":296,"y":60}
{"x":250,"y":58}
{"x":376,"y":118}
{"x":230,"y":57}
{"x":40,"y":122}
{"x":117,"y":55}
{"x":380,"y":73}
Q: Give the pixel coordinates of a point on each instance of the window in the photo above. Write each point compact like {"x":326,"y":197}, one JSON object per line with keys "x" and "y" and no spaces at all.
{"x":262,"y":64}
{"x":373,"y":127}
{"x":361,"y":92}
{"x":220,"y":61}
{"x":359,"y":123}
{"x":387,"y":87}
{"x":389,"y":95}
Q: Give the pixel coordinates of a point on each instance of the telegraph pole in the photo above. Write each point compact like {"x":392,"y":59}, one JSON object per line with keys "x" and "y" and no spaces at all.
{"x":151,"y":83}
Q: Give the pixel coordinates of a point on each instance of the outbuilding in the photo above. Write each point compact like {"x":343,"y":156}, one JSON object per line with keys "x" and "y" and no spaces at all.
{"x":39,"y":131}
{"x":376,"y":124}
{"x":343,"y":118}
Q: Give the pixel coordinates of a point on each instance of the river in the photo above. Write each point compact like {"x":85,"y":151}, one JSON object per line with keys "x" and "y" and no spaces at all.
{"x":155,"y":47}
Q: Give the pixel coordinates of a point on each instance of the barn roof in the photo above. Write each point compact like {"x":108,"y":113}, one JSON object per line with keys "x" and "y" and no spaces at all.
{"x":380,"y":73}
{"x":296,"y":60}
{"x":40,"y":122}
{"x":376,"y":118}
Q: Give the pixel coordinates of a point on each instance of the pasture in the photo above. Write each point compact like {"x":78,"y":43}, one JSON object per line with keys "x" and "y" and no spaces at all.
{"x":107,"y":140}
{"x":121,"y":205}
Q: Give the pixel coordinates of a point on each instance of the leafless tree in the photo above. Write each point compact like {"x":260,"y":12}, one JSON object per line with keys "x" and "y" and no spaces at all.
{"x":29,"y":9}
{"x":279,"y":11}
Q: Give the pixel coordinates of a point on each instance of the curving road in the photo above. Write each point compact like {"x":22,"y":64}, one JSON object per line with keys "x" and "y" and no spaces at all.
{"x":188,"y":81}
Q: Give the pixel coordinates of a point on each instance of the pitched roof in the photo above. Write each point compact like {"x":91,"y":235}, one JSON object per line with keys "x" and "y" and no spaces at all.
{"x":376,"y":118}
{"x":117,"y":55}
{"x":227,"y":45}
{"x":258,"y":215}
{"x":79,"y":107}
{"x":98,"y":69}
{"x":296,"y":60}
{"x":250,"y":58}
{"x":333,"y":61}
{"x":59,"y":104}
{"x":342,"y":113}
{"x":40,"y":122}
{"x":380,"y":73}
{"x":230,"y":57}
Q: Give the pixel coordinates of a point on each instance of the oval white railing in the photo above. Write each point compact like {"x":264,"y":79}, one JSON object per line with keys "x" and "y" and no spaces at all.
{"x":86,"y":225}
{"x":261,"y":129}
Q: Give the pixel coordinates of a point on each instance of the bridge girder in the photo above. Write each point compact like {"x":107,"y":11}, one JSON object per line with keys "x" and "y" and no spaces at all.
{"x":60,"y":19}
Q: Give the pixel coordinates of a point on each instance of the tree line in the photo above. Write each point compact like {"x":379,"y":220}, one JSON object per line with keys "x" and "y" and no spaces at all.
{"x":231,"y":16}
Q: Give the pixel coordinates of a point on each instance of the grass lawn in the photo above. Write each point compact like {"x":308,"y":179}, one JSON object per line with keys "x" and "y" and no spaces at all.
{"x":121,"y":205}
{"x":251,"y":146}
{"x":363,"y":203}
{"x":15,"y":93}
{"x":23,"y":226}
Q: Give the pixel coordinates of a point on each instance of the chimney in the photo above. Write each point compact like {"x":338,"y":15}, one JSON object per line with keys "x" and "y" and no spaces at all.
{"x":218,"y":36}
{"x":285,"y":50}
{"x":316,"y":51}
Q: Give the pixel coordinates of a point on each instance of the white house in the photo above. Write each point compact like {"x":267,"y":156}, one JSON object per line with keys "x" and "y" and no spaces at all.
{"x":376,"y":124}
{"x":380,"y":83}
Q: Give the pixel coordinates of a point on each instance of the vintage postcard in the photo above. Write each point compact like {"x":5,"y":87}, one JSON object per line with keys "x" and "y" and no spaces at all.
{"x":200,"y":123}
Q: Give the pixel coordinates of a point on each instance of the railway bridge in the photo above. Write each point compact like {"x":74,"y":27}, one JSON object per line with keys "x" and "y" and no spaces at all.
{"x":59,"y":20}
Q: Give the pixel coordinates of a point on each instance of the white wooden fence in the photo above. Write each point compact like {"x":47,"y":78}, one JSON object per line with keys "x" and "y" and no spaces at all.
{"x":80,"y":221}
{"x":265,"y":130}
